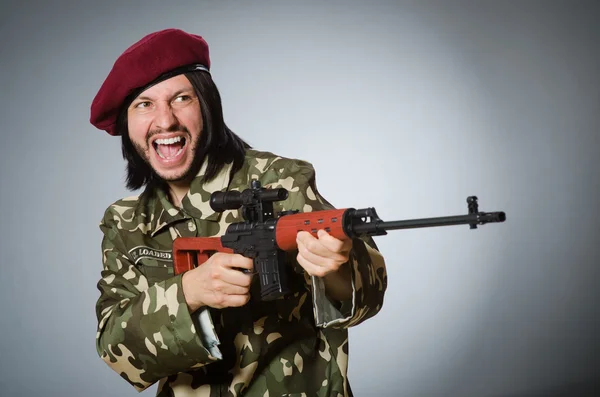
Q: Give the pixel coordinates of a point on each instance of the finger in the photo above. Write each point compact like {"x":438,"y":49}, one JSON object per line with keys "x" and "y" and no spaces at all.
{"x":304,"y":237}
{"x":220,"y":301}
{"x":317,"y":265}
{"x":235,"y":277}
{"x":332,"y":243}
{"x":234,"y":261}
{"x":317,"y":259}
{"x":311,"y":268}
{"x":237,"y":300}
{"x":230,"y":289}
{"x":315,"y":251}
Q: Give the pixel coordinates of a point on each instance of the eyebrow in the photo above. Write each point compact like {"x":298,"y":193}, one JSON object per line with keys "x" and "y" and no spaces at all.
{"x":175,"y":94}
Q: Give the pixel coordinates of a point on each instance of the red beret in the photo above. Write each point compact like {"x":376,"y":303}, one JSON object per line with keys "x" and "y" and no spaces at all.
{"x":142,"y":63}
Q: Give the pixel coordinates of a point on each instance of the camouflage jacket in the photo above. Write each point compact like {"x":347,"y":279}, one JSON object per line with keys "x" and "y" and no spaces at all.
{"x":293,"y":346}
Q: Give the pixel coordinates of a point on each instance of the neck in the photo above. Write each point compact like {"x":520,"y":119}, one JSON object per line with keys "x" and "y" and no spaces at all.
{"x":177,"y":192}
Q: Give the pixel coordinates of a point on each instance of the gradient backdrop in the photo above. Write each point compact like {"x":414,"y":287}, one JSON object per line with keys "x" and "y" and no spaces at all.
{"x":405,"y":106}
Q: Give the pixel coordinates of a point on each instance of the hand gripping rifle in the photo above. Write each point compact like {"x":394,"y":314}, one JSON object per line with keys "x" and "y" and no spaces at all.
{"x":266,"y":238}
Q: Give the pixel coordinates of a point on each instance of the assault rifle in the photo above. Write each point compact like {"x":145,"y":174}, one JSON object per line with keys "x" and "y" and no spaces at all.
{"x":266,"y":237}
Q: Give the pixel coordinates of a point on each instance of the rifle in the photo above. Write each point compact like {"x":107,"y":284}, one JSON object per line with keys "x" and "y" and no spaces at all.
{"x":266,"y":237}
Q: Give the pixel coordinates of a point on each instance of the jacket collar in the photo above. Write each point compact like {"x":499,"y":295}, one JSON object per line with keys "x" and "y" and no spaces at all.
{"x":196,"y":203}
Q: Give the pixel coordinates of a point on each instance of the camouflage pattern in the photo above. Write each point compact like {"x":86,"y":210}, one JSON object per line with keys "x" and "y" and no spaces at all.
{"x":297,"y":346}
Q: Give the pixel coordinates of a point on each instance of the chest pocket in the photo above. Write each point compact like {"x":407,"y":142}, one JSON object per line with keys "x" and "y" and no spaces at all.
{"x":156,"y":265}
{"x":155,"y":270}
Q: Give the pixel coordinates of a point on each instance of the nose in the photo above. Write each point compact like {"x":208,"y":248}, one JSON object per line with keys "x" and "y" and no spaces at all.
{"x":165,"y":118}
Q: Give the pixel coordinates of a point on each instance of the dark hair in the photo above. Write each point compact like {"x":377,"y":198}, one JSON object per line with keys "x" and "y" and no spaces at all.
{"x":218,"y":145}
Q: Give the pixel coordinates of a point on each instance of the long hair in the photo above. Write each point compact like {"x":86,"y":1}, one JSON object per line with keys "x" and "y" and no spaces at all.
{"x":218,"y":145}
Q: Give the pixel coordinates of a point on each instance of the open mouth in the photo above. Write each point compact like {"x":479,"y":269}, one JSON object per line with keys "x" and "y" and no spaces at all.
{"x":169,"y":148}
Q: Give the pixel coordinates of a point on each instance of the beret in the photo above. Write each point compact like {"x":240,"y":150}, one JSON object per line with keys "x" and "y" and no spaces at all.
{"x":156,"y":56}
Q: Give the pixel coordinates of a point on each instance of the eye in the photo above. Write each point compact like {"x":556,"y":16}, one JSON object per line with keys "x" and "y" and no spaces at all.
{"x":142,"y":105}
{"x":183,"y":98}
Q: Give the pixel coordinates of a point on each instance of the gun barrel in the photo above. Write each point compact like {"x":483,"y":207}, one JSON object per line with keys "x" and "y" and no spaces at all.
{"x":471,"y":219}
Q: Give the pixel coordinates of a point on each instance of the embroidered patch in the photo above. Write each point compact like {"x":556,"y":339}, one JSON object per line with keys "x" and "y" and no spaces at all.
{"x":141,"y":252}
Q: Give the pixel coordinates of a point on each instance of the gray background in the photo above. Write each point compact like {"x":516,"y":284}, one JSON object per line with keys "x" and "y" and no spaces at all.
{"x":405,"y":106}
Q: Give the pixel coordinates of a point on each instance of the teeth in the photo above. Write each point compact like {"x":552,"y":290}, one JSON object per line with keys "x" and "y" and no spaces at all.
{"x":169,"y":141}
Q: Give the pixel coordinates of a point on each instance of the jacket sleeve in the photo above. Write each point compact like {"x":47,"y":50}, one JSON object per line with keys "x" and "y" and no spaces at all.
{"x":369,"y":276}
{"x":145,"y":332}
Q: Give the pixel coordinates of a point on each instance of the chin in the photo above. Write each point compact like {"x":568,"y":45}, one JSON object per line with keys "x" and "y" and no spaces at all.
{"x":176,"y":175}
{"x":172,"y":176}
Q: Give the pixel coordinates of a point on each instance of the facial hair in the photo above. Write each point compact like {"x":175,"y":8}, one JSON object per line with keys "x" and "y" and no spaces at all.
{"x":188,"y":174}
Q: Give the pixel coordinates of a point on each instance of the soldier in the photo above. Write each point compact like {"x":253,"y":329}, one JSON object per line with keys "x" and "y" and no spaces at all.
{"x":205,"y":332}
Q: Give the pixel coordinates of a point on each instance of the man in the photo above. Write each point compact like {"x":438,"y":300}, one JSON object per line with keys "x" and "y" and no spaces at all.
{"x":206,"y":332}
